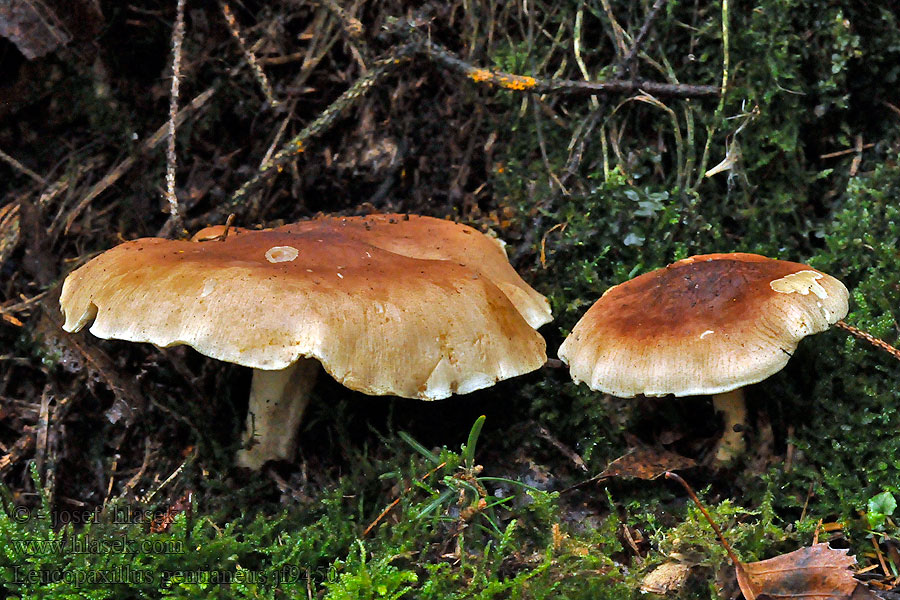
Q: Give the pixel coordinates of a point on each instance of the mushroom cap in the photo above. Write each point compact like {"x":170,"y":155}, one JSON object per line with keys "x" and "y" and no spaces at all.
{"x":416,"y":236}
{"x":707,"y":324}
{"x":347,"y":291}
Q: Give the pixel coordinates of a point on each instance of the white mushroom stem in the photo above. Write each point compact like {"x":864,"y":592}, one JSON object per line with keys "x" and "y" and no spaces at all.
{"x":277,"y":402}
{"x":734,"y":413}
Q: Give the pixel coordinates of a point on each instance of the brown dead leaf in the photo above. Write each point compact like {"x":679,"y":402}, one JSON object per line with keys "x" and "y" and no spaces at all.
{"x":646,"y":463}
{"x":162,"y":522}
{"x":75,"y":354}
{"x":817,"y":572}
{"x":667,"y":577}
{"x":33,"y":27}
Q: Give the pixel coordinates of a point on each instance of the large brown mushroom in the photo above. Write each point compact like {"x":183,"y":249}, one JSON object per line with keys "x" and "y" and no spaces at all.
{"x":708,"y":324}
{"x":388,"y":304}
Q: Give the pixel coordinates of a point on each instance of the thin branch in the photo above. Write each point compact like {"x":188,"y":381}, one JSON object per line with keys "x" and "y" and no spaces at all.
{"x":619,"y":33}
{"x":543,"y":148}
{"x":171,"y":158}
{"x":526,"y":83}
{"x":418,"y":44}
{"x":279,"y":134}
{"x":868,"y":337}
{"x":641,"y":36}
{"x":717,"y":116}
{"x":726,"y":60}
{"x":845,"y":152}
{"x":249,"y":56}
{"x":21,"y":168}
{"x":674,"y":476}
{"x":576,"y":47}
{"x":351,"y":24}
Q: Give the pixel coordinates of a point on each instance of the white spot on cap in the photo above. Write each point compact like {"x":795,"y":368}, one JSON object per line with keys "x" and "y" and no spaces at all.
{"x":278,"y":254}
{"x":801,"y":282}
{"x":208,"y":287}
{"x":706,"y":333}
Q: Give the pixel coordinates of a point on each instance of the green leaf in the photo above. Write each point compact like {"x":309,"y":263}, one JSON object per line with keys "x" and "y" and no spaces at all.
{"x":884,"y":503}
{"x":880,"y":507}
{"x":431,"y":456}
{"x":469,"y":450}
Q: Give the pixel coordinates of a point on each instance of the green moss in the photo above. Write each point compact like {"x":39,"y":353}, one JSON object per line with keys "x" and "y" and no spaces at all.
{"x":428,"y":549}
{"x":854,"y":418}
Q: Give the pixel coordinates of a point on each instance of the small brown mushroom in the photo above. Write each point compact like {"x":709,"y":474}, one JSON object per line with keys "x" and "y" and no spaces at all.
{"x":388,"y":304}
{"x":708,"y":324}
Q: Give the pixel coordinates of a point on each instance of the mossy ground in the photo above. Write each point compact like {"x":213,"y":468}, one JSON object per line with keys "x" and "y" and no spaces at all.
{"x":500,"y":516}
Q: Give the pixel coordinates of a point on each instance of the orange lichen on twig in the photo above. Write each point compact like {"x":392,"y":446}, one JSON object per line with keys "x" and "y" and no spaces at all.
{"x":504,"y":80}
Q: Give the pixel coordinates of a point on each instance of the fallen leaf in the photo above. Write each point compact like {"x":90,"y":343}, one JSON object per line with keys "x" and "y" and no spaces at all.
{"x":33,"y":27}
{"x":646,"y":463}
{"x":667,"y":577}
{"x":162,"y":522}
{"x":817,"y":572}
{"x":76,"y":354}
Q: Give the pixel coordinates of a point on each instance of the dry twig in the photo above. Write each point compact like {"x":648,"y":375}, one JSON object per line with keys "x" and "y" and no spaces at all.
{"x":640,"y":37}
{"x":11,"y":309}
{"x":298,"y":144}
{"x":177,"y":39}
{"x":21,"y":168}
{"x":22,"y":447}
{"x":871,"y":339}
{"x":249,"y":56}
{"x":526,"y":83}
{"x":351,"y":24}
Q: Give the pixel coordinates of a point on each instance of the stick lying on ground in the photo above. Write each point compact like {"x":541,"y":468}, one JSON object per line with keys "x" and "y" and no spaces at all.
{"x":565,"y":86}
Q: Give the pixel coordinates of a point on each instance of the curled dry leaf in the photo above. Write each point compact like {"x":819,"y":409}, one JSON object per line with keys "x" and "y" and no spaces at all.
{"x":32,"y":26}
{"x":646,"y":463}
{"x":667,"y":577}
{"x":817,"y":572}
